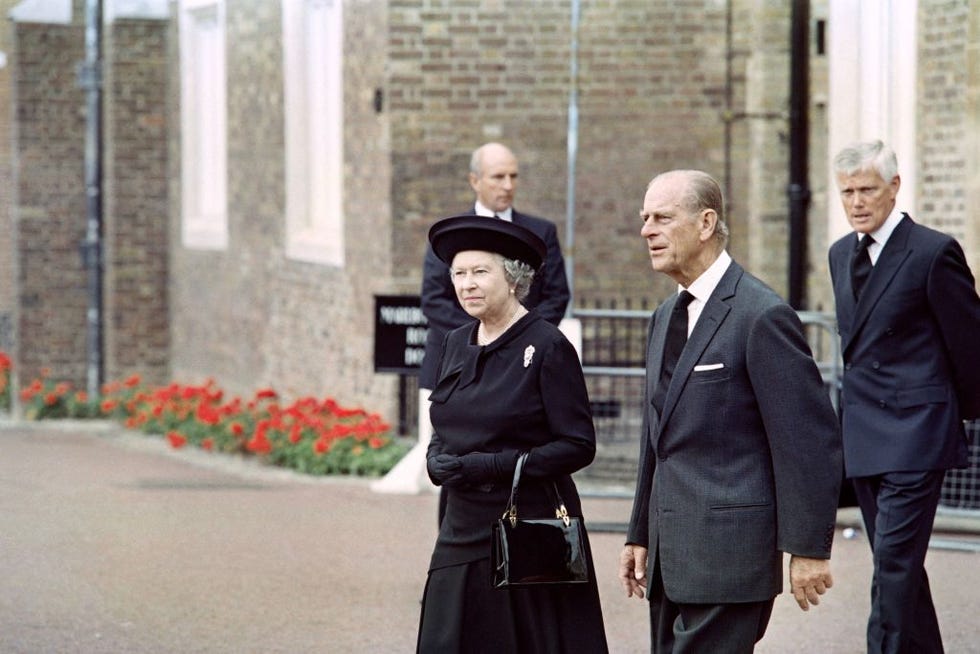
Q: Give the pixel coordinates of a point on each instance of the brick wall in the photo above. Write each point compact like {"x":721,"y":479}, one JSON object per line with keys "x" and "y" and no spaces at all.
{"x":7,"y":245}
{"x":971,"y":141}
{"x":136,"y":201}
{"x":51,"y":201}
{"x":249,"y":316}
{"x":943,"y":33}
{"x":654,"y":92}
{"x":51,"y":206}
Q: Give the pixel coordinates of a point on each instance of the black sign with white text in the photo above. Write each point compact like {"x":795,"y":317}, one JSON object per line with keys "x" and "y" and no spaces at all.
{"x":399,"y":333}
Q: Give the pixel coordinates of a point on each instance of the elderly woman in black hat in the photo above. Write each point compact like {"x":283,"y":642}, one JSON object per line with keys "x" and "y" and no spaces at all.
{"x":508,"y":383}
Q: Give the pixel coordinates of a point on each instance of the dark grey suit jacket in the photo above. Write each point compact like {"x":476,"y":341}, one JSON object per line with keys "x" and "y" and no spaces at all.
{"x":549,"y":294}
{"x":745,"y":462}
{"x":911,"y":353}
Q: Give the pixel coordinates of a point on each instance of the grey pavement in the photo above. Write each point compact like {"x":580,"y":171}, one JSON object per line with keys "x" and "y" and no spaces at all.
{"x":110,"y":541}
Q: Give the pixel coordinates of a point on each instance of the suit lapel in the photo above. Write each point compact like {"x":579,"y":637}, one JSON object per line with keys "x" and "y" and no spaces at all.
{"x":712,"y":316}
{"x":657,"y":340}
{"x":842,"y":281}
{"x":891,"y":259}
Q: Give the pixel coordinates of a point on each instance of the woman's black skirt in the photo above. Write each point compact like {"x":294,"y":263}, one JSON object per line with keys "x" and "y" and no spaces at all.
{"x":462,"y":613}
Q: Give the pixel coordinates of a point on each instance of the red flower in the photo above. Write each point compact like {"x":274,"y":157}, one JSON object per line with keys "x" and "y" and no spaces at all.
{"x":259,"y":443}
{"x":132,"y":381}
{"x":176,"y":440}
{"x":207,"y":414}
{"x":266,"y":394}
{"x":28,"y":393}
{"x":51,"y":399}
{"x":207,"y":444}
{"x":376,"y":442}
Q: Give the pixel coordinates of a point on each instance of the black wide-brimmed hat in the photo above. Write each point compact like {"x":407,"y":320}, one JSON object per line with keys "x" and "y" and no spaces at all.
{"x":457,"y":233}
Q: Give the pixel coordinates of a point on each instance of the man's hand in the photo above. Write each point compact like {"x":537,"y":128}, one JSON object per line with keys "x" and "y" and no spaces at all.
{"x":633,"y":570}
{"x":809,"y":579}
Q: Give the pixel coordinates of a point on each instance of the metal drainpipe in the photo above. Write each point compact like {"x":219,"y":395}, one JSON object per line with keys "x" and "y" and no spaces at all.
{"x":798,"y":190}
{"x":728,"y":116}
{"x":90,"y":79}
{"x":572,"y":140}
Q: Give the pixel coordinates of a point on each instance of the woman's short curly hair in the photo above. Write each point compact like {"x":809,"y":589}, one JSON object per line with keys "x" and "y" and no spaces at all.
{"x":519,"y":274}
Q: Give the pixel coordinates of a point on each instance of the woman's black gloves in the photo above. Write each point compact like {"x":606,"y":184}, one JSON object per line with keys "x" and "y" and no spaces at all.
{"x":473,"y":469}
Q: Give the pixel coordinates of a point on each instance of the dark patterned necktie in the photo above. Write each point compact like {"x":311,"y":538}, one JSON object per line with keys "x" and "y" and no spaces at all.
{"x":861,"y":265}
{"x":673,"y":346}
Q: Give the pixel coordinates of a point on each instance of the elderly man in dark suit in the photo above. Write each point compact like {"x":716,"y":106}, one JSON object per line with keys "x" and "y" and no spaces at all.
{"x":740,"y":457}
{"x":909,"y":318}
{"x":493,"y":177}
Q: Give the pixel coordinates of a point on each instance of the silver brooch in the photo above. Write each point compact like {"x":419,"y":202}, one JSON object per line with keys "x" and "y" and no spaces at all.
{"x":528,"y":354}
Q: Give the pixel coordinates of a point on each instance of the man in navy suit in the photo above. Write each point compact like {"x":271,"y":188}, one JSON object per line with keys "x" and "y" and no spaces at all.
{"x":740,"y":455}
{"x":909,"y":319}
{"x":493,"y":177}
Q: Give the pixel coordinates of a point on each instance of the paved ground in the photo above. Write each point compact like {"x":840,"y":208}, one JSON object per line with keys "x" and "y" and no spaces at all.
{"x":112,"y":542}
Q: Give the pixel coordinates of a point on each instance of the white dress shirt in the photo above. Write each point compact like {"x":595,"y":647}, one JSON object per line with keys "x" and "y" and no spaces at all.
{"x":507,"y":214}
{"x":881,"y":235}
{"x":702,"y":288}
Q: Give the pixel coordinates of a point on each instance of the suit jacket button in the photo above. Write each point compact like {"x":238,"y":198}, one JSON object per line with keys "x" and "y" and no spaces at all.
{"x":881,"y":403}
{"x":847,"y":366}
{"x":875,"y":365}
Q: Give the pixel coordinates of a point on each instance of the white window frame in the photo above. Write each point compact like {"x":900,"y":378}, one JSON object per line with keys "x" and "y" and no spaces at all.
{"x":204,"y":123}
{"x":312,"y":33}
{"x":872,"y":65}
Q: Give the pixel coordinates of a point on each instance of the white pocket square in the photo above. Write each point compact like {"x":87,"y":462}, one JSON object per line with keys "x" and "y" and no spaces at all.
{"x":708,"y":366}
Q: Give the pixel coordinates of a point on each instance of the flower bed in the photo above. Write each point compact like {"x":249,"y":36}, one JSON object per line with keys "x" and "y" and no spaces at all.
{"x":312,"y":436}
{"x":5,"y":366}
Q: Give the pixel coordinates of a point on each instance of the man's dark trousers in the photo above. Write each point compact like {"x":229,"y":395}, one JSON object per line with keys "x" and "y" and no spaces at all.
{"x":899,"y":509}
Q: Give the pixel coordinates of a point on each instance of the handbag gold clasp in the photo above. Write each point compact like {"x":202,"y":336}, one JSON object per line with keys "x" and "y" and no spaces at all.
{"x":511,"y":514}
{"x":562,"y":514}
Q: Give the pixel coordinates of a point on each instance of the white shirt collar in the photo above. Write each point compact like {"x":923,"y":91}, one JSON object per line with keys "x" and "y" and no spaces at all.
{"x":882,"y":234}
{"x":507,"y":214}
{"x":702,"y":288}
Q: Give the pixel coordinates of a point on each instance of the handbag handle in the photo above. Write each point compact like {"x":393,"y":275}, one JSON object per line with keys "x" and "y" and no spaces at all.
{"x":511,"y":512}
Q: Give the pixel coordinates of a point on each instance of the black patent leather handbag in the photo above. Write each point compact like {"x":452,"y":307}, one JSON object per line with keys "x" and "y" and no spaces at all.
{"x":535,"y":551}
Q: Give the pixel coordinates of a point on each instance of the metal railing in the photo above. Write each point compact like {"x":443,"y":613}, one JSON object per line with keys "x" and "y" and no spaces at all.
{"x":614,"y":362}
{"x":613,"y":357}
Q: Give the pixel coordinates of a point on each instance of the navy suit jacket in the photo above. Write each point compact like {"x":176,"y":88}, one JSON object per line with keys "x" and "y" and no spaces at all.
{"x":745,"y":461}
{"x":911,"y":353}
{"x":549,"y":294}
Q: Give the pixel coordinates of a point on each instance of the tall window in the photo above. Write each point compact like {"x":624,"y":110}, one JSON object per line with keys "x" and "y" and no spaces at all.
{"x":873,"y":59}
{"x":314,"y":99}
{"x":204,"y":159}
